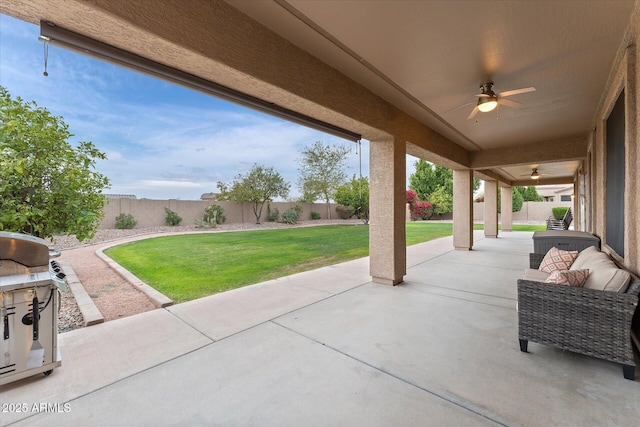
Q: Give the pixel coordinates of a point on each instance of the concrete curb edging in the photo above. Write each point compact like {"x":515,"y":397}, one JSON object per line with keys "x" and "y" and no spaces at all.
{"x":157,"y":298}
{"x":90,"y":313}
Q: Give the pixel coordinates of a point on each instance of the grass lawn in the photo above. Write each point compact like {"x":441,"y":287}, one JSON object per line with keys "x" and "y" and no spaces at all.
{"x":192,"y":266}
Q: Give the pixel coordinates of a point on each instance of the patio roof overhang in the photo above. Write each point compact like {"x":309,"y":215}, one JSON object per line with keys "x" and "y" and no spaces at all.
{"x":379,"y":73}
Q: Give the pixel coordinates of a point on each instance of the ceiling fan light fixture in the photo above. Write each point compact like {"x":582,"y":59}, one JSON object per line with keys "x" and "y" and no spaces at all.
{"x":487,"y":104}
{"x":488,"y":100}
{"x":535,"y":174}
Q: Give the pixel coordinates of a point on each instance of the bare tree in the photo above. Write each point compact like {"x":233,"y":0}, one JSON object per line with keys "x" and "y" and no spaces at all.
{"x":322,"y":171}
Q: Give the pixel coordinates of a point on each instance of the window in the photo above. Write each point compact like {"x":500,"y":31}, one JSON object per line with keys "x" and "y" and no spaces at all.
{"x":565,"y":198}
{"x":615,"y":183}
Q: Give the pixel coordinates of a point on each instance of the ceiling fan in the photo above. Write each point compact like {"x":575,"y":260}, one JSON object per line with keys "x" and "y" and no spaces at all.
{"x":488,"y":100}
{"x":535,"y":174}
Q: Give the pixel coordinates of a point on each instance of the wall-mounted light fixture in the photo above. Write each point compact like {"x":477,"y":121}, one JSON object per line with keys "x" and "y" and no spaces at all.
{"x":50,"y":33}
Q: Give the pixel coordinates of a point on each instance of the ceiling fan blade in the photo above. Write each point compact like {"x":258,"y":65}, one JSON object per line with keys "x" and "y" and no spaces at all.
{"x":509,"y":103}
{"x":473,"y":113}
{"x":516,"y":91}
{"x":459,"y":107}
{"x":483,"y":95}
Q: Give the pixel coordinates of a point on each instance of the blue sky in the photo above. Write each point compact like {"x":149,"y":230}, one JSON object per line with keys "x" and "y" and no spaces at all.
{"x":162,"y":141}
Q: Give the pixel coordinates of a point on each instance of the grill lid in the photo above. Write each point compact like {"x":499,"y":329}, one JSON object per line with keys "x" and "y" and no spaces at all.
{"x":27,"y":250}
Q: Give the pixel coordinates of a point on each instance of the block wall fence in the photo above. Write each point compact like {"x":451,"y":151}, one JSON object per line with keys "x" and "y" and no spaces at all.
{"x":151,"y":213}
{"x":531,"y":212}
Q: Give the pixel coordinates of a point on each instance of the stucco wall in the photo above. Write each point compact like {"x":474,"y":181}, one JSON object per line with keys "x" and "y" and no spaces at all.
{"x":151,"y":213}
{"x":624,"y":76}
{"x":530,"y":212}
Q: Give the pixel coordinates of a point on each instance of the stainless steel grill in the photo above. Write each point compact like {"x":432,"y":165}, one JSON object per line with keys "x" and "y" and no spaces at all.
{"x":29,"y":299}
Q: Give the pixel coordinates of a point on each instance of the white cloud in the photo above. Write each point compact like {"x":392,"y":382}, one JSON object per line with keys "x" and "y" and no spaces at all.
{"x":161,"y":140}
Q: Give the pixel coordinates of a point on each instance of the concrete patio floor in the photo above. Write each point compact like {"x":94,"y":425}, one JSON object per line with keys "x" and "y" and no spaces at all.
{"x":330,"y":348}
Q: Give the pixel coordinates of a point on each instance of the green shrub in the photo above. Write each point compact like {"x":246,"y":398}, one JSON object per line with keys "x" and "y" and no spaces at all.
{"x":516,"y":201}
{"x":355,"y":196}
{"x":344,"y":212}
{"x":442,"y":201}
{"x":292,"y":215}
{"x":559,"y":212}
{"x":125,"y":222}
{"x":273,"y":216}
{"x":315,"y":215}
{"x":172,"y":218}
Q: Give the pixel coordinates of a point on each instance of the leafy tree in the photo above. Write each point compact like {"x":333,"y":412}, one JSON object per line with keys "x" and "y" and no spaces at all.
{"x":355,"y":195}
{"x":46,"y":185}
{"x":258,"y":186}
{"x":322,"y":171}
{"x":429,"y":177}
{"x":442,"y":201}
{"x":530,"y":194}
{"x":517,"y":200}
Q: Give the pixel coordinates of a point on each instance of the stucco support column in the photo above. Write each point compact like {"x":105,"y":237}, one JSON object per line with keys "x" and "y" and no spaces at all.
{"x":491,"y":209}
{"x":506,"y":208}
{"x":387,"y":204}
{"x":463,"y":209}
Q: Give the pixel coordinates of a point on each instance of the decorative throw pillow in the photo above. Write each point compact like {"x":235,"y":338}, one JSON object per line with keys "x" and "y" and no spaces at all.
{"x":574,"y":278}
{"x":557,"y":259}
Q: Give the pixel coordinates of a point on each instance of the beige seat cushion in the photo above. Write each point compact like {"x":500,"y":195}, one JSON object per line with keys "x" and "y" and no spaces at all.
{"x":535,"y":275}
{"x":583,"y":258}
{"x":604,"y":275}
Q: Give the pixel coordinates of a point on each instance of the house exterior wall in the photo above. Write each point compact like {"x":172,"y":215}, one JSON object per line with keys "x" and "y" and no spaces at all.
{"x":555,"y":193}
{"x":624,"y":76}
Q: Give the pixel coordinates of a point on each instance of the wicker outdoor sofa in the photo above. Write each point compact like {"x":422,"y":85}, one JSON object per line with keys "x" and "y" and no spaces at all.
{"x":598,"y":323}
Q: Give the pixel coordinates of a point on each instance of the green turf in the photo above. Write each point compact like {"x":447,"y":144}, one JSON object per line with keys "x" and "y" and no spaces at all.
{"x":192,"y":266}
{"x":528,"y":227}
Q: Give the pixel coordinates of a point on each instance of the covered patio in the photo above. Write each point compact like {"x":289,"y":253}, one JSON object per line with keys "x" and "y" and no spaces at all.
{"x":410,"y":77}
{"x":330,"y":347}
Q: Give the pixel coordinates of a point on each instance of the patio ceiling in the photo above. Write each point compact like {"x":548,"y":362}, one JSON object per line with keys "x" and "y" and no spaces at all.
{"x":425,"y":57}
{"x":429,"y":57}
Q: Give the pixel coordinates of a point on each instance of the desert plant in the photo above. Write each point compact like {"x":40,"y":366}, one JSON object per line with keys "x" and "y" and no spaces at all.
{"x":215,"y":211}
{"x":273,"y":216}
{"x":213,"y":215}
{"x":125,"y":222}
{"x":559,"y":212}
{"x":210,"y":223}
{"x":292,"y":215}
{"x":172,"y":217}
{"x":315,"y":215}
